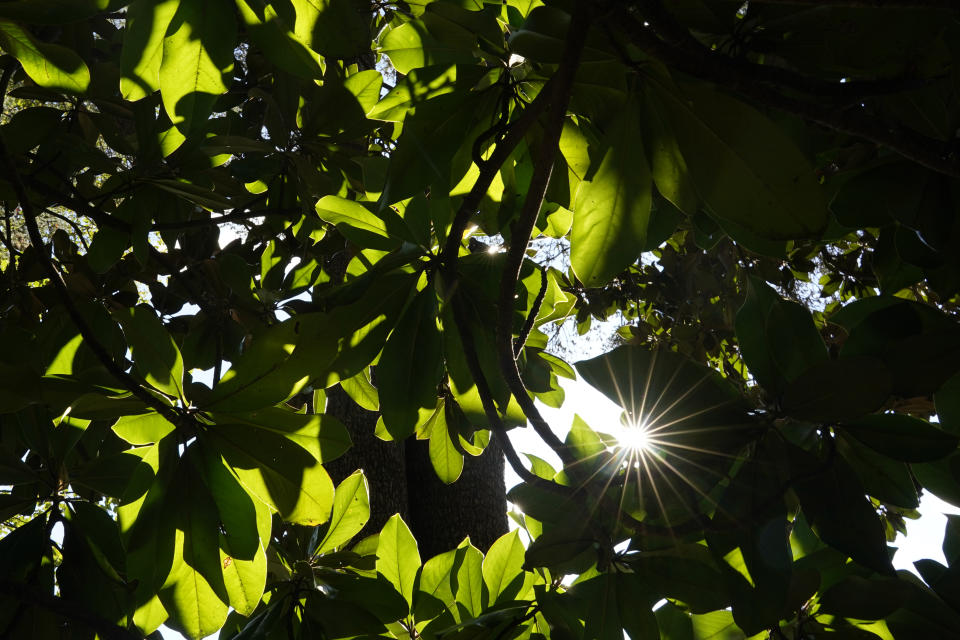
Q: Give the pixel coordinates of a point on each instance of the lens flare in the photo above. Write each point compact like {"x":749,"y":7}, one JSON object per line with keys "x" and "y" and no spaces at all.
{"x":633,"y":437}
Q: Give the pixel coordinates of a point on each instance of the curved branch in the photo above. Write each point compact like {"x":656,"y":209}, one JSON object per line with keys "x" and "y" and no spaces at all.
{"x":471,"y":202}
{"x":486,"y":397}
{"x":84,"y":208}
{"x":56,"y":278}
{"x":522,"y":230}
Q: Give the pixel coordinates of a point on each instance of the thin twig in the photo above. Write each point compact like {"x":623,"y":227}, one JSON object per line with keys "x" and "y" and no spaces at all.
{"x":522,"y":230}
{"x":73,"y":224}
{"x":103,"y":218}
{"x":471,"y":202}
{"x":532,"y":316}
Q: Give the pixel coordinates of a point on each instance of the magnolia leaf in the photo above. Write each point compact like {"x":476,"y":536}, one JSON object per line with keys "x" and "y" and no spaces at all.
{"x":277,"y":471}
{"x":398,"y":559}
{"x":444,"y":455}
{"x":745,"y":169}
{"x":503,"y":568}
{"x":49,"y":65}
{"x":155,"y":354}
{"x":143,"y":429}
{"x":613,"y":207}
{"x":147,"y":22}
{"x":351,"y":511}
{"x":197,"y":61}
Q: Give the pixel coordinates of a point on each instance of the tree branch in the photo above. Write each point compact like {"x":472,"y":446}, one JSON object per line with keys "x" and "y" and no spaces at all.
{"x":102,"y":218}
{"x":56,"y":278}
{"x":486,"y":397}
{"x":532,"y":317}
{"x":681,"y":51}
{"x":471,"y":202}
{"x":522,"y":230}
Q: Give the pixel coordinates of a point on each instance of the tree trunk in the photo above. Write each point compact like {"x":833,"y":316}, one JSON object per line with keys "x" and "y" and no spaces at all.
{"x":402,"y":481}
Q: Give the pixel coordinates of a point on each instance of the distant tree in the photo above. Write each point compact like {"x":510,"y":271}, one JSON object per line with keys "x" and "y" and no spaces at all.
{"x":765,"y":194}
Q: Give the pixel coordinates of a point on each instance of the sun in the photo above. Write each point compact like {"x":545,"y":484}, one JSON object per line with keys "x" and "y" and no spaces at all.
{"x":633,"y":436}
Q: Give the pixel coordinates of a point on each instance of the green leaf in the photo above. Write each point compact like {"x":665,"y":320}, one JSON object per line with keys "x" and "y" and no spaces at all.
{"x":612,"y":209}
{"x":751,"y":323}
{"x":866,"y":599}
{"x":885,"y":479}
{"x":469,"y":579}
{"x":409,"y":368}
{"x":398,"y":559}
{"x":323,"y":436}
{"x":951,"y":540}
{"x":745,"y":169}
{"x":674,"y":623}
{"x":716,"y":625}
{"x":410,"y":46}
{"x":838,"y":390}
{"x":688,"y":575}
{"x":143,"y":429}
{"x":49,"y":65}
{"x":942,"y":478}
{"x":194,"y":592}
{"x":276,"y":40}
{"x":279,"y":472}
{"x":598,"y":605}
{"x":947,"y":399}
{"x":333,"y":28}
{"x":546,"y":505}
{"x":667,"y":166}
{"x":155,"y":354}
{"x":833,"y":500}
{"x":444,"y":453}
{"x":197,"y":61}
{"x":436,"y":576}
{"x":362,"y":391}
{"x":503,"y":568}
{"x":365,"y":86}
{"x":635,"y":607}
{"x":563,"y":551}
{"x":147,"y":22}
{"x":340,"y":618}
{"x":793,"y":339}
{"x":919,"y":344}
{"x":267,"y":371}
{"x":355,"y":222}
{"x":902,"y":437}
{"x":53,"y":11}
{"x":583,"y":441}
{"x":351,"y":511}
{"x":542,"y":37}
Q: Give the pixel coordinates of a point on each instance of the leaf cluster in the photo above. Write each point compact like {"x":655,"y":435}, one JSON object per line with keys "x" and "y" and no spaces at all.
{"x":283,"y":195}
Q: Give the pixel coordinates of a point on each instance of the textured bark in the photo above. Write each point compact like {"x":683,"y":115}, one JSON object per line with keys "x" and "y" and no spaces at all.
{"x":441,"y":516}
{"x":382,"y":462}
{"x":402,"y":481}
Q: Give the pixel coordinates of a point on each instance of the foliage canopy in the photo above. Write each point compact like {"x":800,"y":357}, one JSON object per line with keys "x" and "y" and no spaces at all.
{"x":765,"y":195}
